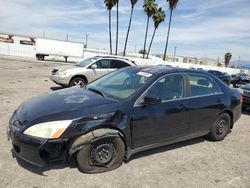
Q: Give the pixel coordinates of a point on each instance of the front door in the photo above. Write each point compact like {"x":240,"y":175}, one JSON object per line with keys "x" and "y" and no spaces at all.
{"x":102,"y":68}
{"x":168,"y":120}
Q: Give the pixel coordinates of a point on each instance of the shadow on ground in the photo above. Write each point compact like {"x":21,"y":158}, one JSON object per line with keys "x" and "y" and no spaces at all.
{"x":55,"y":88}
{"x":246,"y":112}
{"x":41,"y":170}
{"x":167,"y":148}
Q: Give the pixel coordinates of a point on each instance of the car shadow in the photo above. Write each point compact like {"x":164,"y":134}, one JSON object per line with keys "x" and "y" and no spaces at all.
{"x":166,"y":148}
{"x":55,"y":88}
{"x":246,"y":112}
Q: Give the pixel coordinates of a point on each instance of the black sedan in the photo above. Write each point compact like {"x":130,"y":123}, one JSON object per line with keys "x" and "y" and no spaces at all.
{"x":246,"y":96}
{"x":127,"y":111}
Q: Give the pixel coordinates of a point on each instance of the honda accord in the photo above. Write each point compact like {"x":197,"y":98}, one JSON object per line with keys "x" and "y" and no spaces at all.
{"x":127,"y":111}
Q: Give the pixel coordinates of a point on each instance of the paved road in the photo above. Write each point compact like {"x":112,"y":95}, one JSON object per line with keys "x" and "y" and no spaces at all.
{"x":194,"y":163}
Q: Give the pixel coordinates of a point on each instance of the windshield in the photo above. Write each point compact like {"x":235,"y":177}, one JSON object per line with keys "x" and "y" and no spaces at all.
{"x":86,"y":62}
{"x":120,"y":85}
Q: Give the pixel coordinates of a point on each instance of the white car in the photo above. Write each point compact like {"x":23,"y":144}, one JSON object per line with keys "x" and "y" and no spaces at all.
{"x":87,"y":70}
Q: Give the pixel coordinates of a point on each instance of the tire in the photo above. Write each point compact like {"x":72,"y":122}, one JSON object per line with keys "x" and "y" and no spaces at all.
{"x":220,"y":128}
{"x":78,"y":81}
{"x":40,"y":57}
{"x":101,"y":156}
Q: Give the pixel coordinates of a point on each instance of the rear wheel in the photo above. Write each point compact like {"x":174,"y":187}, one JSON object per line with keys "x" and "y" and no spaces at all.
{"x":220,"y":128}
{"x":102,"y":155}
{"x":78,"y":81}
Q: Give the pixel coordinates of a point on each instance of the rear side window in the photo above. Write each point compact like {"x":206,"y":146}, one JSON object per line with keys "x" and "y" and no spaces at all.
{"x":203,"y":85}
{"x":116,"y":64}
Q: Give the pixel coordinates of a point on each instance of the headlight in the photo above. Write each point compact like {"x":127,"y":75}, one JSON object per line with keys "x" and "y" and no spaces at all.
{"x":62,"y":72}
{"x":51,"y":130}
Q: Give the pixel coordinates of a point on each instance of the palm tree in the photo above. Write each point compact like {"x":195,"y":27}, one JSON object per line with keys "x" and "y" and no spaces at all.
{"x":116,"y":2}
{"x":149,"y":7}
{"x":158,"y":18}
{"x":109,"y":4}
{"x":133,"y":2}
{"x":172,"y":5}
{"x":228,"y":57}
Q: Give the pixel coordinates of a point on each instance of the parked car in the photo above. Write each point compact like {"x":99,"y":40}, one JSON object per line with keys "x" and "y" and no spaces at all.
{"x":240,"y":79}
{"x":87,"y":70}
{"x":127,"y":111}
{"x":226,"y":78}
{"x":246,"y":96}
{"x":236,"y":80}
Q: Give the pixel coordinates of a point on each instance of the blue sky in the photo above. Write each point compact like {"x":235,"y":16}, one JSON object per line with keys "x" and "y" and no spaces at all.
{"x":199,"y":28}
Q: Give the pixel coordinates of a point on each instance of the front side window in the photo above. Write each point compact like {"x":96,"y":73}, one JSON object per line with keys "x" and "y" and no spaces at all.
{"x":202,"y":85}
{"x":103,"y":64}
{"x":168,"y":88}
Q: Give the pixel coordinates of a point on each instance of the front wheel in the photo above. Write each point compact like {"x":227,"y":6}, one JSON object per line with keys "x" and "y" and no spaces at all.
{"x":101,"y":156}
{"x":220,"y":128}
{"x":77,"y":82}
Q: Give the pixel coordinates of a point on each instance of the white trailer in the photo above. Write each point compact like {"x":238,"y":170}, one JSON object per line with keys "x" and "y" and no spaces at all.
{"x":46,"y":47}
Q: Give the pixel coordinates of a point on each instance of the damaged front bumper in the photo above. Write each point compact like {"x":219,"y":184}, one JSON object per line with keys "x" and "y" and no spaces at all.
{"x":36,"y":151}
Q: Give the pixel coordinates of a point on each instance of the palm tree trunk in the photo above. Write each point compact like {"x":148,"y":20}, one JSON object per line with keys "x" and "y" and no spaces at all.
{"x":151,"y":42}
{"x":144,"y":48}
{"x":110,"y":40}
{"x":166,"y":46}
{"x":117,"y":20}
{"x":129,"y":25}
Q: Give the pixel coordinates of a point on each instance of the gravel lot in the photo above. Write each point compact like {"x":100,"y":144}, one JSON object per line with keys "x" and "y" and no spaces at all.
{"x":193,"y":163}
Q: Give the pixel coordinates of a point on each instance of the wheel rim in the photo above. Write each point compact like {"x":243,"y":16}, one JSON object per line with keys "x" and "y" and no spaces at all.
{"x":78,"y":83}
{"x":103,"y":153}
{"x":221,"y":125}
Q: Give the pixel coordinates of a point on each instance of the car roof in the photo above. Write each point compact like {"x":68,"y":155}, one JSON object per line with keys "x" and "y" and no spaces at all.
{"x":115,"y":57}
{"x":163,"y":69}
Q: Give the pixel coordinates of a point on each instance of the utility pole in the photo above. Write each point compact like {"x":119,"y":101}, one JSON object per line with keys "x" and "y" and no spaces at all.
{"x":174,"y":52}
{"x":86,"y":43}
{"x":67,"y":37}
{"x":239,"y":62}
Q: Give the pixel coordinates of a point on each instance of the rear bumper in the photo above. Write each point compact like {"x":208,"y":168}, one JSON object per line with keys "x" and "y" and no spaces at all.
{"x":246,"y":101}
{"x":60,"y":80}
{"x":38,"y":152}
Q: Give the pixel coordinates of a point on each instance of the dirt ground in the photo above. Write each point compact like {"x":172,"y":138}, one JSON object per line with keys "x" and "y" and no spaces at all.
{"x":193,"y":163}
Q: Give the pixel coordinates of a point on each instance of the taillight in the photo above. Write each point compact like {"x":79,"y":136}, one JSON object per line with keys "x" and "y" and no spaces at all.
{"x":241,"y":99}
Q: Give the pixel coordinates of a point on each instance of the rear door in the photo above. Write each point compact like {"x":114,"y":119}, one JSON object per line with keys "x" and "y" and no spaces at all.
{"x":205,"y":101}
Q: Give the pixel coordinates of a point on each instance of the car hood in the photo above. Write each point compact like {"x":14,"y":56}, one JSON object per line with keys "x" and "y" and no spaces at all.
{"x":64,"y":104}
{"x":65,"y":67}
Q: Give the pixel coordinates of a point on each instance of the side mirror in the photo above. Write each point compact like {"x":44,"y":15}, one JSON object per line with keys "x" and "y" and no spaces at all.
{"x":94,"y":66}
{"x":151,"y":100}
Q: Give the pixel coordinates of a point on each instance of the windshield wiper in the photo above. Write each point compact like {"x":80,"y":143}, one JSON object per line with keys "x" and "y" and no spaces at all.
{"x":97,"y":91}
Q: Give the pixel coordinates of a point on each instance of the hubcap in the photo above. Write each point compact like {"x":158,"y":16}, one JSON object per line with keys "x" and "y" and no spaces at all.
{"x":103,"y":153}
{"x":78,"y":83}
{"x":221,"y":124}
